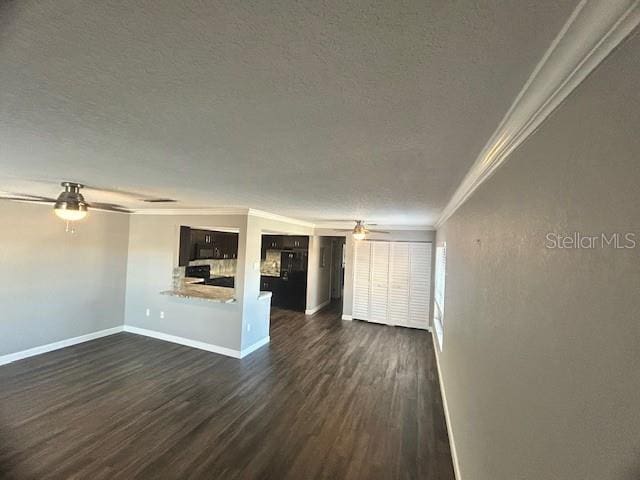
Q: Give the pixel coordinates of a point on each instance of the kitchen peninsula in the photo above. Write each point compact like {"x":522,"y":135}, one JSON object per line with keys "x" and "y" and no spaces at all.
{"x":165,"y":302}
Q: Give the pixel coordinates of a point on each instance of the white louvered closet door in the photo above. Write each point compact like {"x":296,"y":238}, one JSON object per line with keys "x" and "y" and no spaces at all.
{"x":398,"y":283}
{"x":392,"y":283}
{"x":362,"y":277}
{"x":419,"y":284}
{"x":379,"y":282}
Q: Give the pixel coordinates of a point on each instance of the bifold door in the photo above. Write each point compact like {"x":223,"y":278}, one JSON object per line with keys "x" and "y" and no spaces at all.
{"x":392,"y":283}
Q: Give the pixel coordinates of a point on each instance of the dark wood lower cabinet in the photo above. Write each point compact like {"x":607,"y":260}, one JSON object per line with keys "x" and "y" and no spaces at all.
{"x":288,"y":292}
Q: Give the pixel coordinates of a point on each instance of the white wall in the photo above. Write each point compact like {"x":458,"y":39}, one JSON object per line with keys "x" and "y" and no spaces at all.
{"x":55,"y":285}
{"x":318,"y":278}
{"x":541,"y":357}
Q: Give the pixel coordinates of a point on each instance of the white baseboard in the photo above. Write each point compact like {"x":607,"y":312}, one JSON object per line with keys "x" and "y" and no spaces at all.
{"x":452,"y":442}
{"x":347,"y":317}
{"x":311,"y":311}
{"x":254,"y":347}
{"x":12,"y":357}
{"x":209,"y":347}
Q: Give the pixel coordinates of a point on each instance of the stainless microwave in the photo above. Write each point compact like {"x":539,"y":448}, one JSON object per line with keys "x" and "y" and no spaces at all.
{"x":205,"y":252}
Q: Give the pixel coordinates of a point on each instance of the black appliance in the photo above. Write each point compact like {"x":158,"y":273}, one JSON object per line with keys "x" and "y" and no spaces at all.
{"x":293,"y":261}
{"x":204,"y":252}
{"x":198,"y":271}
{"x":204,"y":272}
{"x":293,"y":279}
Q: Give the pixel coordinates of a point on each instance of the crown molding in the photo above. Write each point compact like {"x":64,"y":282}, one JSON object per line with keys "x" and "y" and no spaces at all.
{"x":273,"y":216}
{"x":380,"y":226}
{"x":593,"y":30}
{"x":221,"y":211}
{"x":191,"y":211}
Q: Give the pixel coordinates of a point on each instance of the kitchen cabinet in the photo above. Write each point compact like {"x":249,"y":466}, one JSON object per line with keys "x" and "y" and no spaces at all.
{"x":290,"y":242}
{"x":273,"y":285}
{"x":225,"y":245}
{"x":185,"y":246}
{"x":272,"y":242}
{"x":198,"y":244}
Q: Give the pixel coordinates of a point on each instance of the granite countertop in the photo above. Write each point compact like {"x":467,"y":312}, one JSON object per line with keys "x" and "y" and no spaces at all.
{"x":209,"y":293}
{"x":204,"y":292}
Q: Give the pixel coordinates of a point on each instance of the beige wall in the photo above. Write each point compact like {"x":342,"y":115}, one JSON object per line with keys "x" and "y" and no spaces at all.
{"x":541,"y":357}
{"x":55,"y":285}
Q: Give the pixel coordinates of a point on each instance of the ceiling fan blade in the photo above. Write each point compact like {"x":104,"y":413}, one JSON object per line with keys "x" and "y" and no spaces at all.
{"x":26,"y":196}
{"x":109,"y":206}
{"x":134,"y":195}
{"x":28,"y":199}
{"x":377,"y":231}
{"x":50,"y":183}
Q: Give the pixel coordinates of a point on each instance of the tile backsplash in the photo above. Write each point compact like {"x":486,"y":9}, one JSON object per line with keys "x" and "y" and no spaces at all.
{"x":227,"y":267}
{"x":271,"y":265}
{"x":219,"y":268}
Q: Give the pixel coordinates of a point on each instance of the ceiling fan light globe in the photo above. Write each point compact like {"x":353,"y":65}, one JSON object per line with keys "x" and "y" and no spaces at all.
{"x":358,"y":235}
{"x":70,"y":215}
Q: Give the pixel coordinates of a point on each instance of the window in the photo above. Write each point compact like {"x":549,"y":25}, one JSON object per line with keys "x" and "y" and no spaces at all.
{"x":440,"y":280}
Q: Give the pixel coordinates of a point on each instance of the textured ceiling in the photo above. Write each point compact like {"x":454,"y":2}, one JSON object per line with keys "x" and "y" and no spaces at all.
{"x":312,"y":109}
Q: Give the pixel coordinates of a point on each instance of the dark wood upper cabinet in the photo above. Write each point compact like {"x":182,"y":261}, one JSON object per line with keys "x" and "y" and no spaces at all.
{"x":290,"y":242}
{"x":225,"y":245}
{"x":272,"y":242}
{"x":185,"y":246}
{"x":198,"y":244}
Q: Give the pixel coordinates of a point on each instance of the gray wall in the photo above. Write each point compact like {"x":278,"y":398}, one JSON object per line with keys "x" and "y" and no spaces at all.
{"x":153,"y":253}
{"x":318,"y":278}
{"x":541,"y":357}
{"x":55,"y":285}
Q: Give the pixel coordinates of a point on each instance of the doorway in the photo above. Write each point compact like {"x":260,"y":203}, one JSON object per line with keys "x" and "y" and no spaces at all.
{"x":337,"y":269}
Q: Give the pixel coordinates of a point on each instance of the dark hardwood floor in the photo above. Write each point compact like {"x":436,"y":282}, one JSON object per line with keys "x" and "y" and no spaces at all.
{"x":326,"y":399}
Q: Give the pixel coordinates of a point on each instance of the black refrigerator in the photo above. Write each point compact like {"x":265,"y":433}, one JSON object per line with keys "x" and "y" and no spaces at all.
{"x":293,"y":279}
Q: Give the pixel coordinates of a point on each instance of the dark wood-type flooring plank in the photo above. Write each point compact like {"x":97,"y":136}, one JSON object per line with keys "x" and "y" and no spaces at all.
{"x":325,"y":399}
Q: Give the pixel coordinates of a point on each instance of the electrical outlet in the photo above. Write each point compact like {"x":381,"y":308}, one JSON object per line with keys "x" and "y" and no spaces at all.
{"x":248,"y":327}
{"x":161,"y":314}
{"x":148,"y":312}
